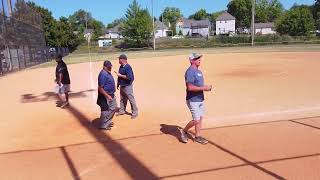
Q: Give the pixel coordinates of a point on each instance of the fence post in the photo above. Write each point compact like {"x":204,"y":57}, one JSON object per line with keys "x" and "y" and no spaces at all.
{"x":19,"y":66}
{"x":24,"y":57}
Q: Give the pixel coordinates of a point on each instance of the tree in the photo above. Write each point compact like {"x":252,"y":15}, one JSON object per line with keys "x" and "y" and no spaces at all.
{"x":115,"y":23}
{"x":80,"y":19}
{"x":200,"y":15}
{"x":137,"y":27}
{"x":298,"y":21}
{"x":170,"y":16}
{"x":268,"y":10}
{"x":49,"y":24}
{"x":97,"y":27}
{"x":241,"y":10}
{"x":316,"y":13}
{"x":215,"y":15}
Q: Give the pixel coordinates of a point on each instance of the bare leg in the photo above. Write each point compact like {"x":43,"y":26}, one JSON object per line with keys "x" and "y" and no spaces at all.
{"x":67,"y":97}
{"x":189,"y":125}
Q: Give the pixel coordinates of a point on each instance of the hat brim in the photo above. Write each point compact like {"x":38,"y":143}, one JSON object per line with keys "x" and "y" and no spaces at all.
{"x":196,"y":58}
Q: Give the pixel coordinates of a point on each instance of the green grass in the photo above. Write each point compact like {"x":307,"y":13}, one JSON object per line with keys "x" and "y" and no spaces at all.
{"x":74,"y":58}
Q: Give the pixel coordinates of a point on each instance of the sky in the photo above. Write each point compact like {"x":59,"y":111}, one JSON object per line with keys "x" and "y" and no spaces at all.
{"x":108,"y":10}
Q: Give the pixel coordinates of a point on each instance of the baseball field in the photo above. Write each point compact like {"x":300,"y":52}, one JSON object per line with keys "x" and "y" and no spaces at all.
{"x":262,"y":119}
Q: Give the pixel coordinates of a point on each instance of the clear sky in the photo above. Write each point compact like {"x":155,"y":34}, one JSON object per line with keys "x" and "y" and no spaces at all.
{"x":108,"y":10}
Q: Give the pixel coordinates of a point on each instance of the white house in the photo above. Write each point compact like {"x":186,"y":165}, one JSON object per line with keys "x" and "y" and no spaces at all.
{"x":225,"y":24}
{"x":161,"y":29}
{"x":112,"y":33}
{"x":265,"y":28}
{"x":190,"y":27}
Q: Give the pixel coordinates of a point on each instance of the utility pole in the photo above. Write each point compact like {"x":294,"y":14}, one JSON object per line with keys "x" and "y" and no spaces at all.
{"x":253,"y":30}
{"x":9,"y":7}
{"x":154,"y":35}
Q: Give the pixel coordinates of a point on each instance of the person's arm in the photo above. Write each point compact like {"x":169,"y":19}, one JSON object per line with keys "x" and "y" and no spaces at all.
{"x":104,"y":93}
{"x":60,"y":76}
{"x":191,"y":87}
{"x":121,"y":75}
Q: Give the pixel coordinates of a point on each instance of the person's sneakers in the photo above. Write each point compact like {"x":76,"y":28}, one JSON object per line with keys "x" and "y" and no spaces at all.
{"x":134,"y":116}
{"x":201,"y":140}
{"x":63,"y":105}
{"x":120,"y":113}
{"x":111,"y":124}
{"x":105,"y":128}
{"x":184,"y":136}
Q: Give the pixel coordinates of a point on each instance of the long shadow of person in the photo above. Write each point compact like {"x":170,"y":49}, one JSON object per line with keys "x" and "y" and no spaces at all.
{"x":173,"y":130}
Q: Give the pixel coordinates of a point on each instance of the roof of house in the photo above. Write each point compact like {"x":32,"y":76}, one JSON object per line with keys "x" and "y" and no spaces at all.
{"x":191,"y":23}
{"x":115,"y":29}
{"x":225,"y":16}
{"x":87,"y":31}
{"x":264,"y":25}
{"x":160,"y":25}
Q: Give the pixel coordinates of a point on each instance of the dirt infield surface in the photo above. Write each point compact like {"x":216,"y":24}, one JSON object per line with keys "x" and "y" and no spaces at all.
{"x":262,"y":120}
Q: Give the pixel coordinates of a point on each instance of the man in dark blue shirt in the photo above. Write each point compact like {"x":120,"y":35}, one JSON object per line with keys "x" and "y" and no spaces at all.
{"x":195,"y":98}
{"x":106,"y":98}
{"x":125,"y":80}
{"x":62,"y":79}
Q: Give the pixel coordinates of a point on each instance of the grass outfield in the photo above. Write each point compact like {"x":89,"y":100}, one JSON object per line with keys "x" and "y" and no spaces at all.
{"x":84,"y":57}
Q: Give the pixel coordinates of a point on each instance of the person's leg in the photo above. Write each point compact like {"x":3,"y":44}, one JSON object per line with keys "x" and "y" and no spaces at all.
{"x":67,"y":97}
{"x":134,"y":108}
{"x":65,"y":90}
{"x":198,"y":137}
{"x":123,"y":101}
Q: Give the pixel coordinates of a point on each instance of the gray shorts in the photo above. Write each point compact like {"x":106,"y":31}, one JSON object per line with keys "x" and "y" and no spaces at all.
{"x":64,"y":88}
{"x":196,"y":109}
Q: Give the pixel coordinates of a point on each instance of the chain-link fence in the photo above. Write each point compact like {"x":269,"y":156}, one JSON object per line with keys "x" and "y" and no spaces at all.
{"x":22,"y":41}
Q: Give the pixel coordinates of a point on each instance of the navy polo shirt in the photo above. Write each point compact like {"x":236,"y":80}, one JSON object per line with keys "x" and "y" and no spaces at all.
{"x":195,"y":77}
{"x":106,"y":80}
{"x":127,"y":71}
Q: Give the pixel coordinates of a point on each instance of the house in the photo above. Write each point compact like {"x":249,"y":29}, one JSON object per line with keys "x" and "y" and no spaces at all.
{"x":225,"y":24}
{"x":265,"y":28}
{"x":113,"y":33}
{"x":161,"y":30}
{"x":88,"y":34}
{"x":191,"y":27}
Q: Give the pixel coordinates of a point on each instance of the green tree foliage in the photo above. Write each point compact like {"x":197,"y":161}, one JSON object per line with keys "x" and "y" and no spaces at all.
{"x":137,"y":27}
{"x":316,"y":13}
{"x":241,"y":10}
{"x":57,"y":33}
{"x":115,"y":23}
{"x":81,"y":19}
{"x":298,"y":21}
{"x":200,"y":15}
{"x":268,"y":10}
{"x":215,"y":15}
{"x":49,"y":24}
{"x":170,"y":17}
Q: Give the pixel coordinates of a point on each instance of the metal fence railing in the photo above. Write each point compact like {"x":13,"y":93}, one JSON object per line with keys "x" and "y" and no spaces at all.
{"x":22,"y":40}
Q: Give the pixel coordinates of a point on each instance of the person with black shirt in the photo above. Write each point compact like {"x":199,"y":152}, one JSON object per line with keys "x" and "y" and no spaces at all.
{"x":63,"y":80}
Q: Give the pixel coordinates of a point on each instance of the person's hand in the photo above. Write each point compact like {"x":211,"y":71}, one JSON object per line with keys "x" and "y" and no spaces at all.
{"x":208,"y":88}
{"x":109,"y":98}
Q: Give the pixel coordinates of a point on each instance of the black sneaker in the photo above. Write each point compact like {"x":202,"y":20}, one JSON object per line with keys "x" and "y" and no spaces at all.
{"x":105,"y":128}
{"x":201,"y":140}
